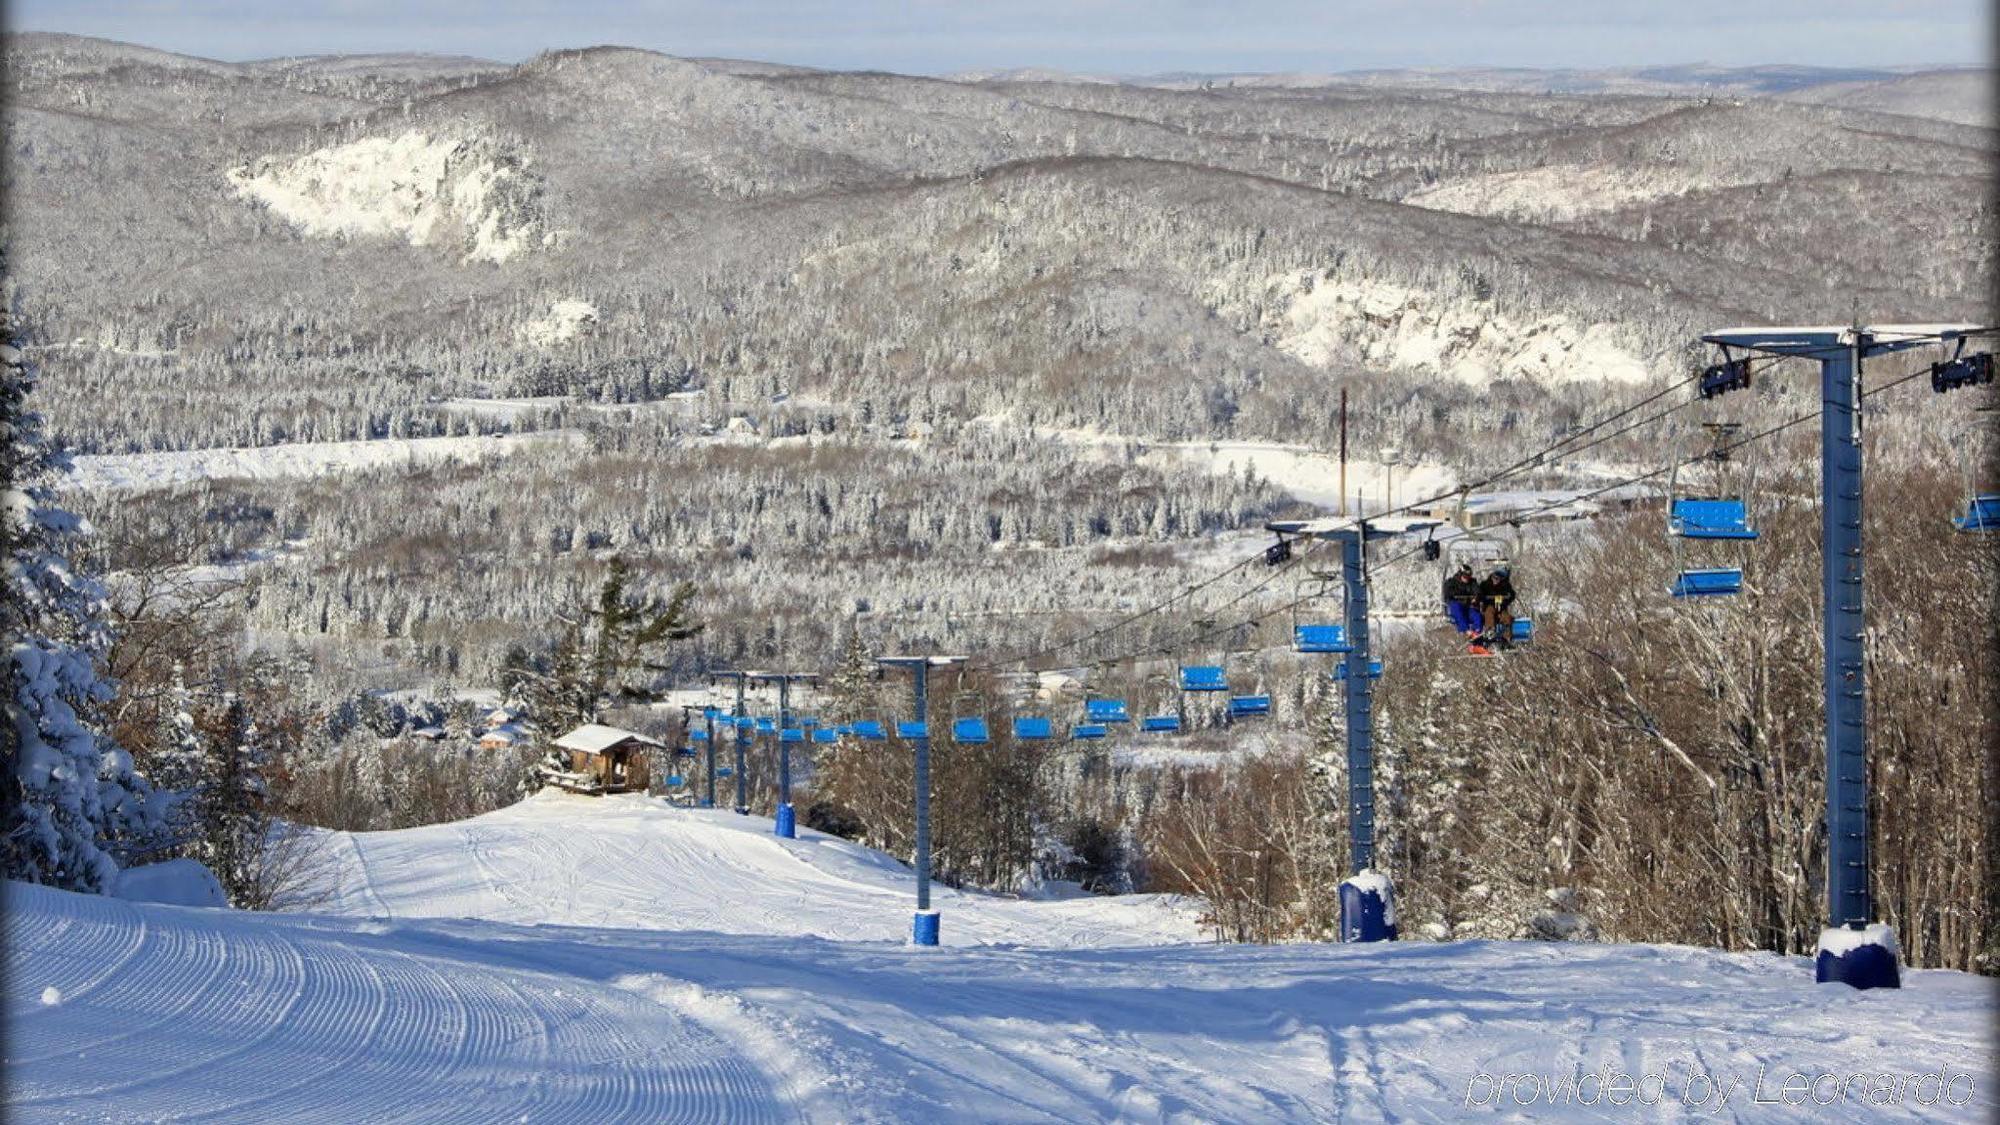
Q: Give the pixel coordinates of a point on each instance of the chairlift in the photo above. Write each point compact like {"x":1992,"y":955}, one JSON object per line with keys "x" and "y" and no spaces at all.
{"x":1088,"y":730}
{"x":907,"y":730}
{"x":1320,"y":638}
{"x":1032,"y":728}
{"x":868,"y":730}
{"x":699,"y":734}
{"x":765,"y":725}
{"x":970,"y":731}
{"x":1709,"y":582}
{"x":725,"y":771}
{"x":1102,"y":711}
{"x":1982,"y":513}
{"x":792,"y":734}
{"x":1203,"y":677}
{"x":1718,"y":519}
{"x":823,"y":735}
{"x":676,"y":781}
{"x":1161,"y":724}
{"x":1249,"y":706}
{"x":1374,"y":670}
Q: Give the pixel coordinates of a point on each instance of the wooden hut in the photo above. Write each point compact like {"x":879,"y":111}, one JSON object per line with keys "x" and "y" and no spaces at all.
{"x":605,"y":759}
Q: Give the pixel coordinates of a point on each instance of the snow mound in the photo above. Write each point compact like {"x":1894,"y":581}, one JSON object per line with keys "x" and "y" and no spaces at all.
{"x":1841,"y":941}
{"x":176,"y":882}
{"x":565,"y":321}
{"x":474,"y":195}
{"x":1324,"y":322}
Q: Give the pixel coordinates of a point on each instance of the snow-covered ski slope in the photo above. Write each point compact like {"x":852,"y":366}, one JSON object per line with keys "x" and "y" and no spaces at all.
{"x":633,"y":862}
{"x":371,"y":1012}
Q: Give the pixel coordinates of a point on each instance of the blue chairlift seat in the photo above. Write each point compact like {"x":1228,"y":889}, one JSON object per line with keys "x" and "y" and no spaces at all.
{"x":766,"y":726}
{"x":869,"y":730}
{"x":683,"y":751}
{"x":1161,"y":724}
{"x":1203,"y":677}
{"x":1714,"y":582}
{"x":743,"y":722}
{"x":913,"y":730}
{"x":969,"y":731}
{"x":1981,"y":514}
{"x":1523,"y":630}
{"x":1374,"y":670}
{"x":1106,"y":711}
{"x":1032,"y":728}
{"x":1320,"y":638}
{"x":791,"y":734}
{"x":1089,"y":730}
{"x":675,"y":780}
{"x":1710,"y":519}
{"x":824,"y":735}
{"x":698,"y":735}
{"x":725,"y":771}
{"x":1249,"y":706}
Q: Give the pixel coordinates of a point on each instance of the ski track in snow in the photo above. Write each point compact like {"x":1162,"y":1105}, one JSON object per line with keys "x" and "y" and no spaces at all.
{"x":572,"y":959}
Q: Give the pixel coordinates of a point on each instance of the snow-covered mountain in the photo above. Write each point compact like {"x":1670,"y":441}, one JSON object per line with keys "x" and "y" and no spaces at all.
{"x":600,"y":961}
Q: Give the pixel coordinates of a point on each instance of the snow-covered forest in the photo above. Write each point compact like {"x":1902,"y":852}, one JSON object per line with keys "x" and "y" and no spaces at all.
{"x":372,"y":372}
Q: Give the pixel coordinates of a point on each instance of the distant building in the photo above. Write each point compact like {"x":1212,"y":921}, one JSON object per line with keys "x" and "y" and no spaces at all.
{"x":603,"y":759}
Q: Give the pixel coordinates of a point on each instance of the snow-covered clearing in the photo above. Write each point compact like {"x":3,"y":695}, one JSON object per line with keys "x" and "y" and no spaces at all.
{"x":1325,"y":322}
{"x":690,"y":967}
{"x":141,"y":471}
{"x":545,"y":861}
{"x":1309,"y":474}
{"x":472,"y":194}
{"x":566,"y":319}
{"x":1563,"y":192}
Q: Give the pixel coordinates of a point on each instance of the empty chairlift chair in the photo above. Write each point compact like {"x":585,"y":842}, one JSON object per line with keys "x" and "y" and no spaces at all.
{"x":1374,"y":670}
{"x":1161,"y":724}
{"x":1088,"y":730}
{"x":1203,"y":677}
{"x":1982,"y":513}
{"x":1320,"y":638}
{"x":1712,"y":520}
{"x":1101,"y":711}
{"x":908,"y":730}
{"x":1032,"y":728}
{"x":868,"y":730}
{"x":1249,"y":706}
{"x":970,"y":731}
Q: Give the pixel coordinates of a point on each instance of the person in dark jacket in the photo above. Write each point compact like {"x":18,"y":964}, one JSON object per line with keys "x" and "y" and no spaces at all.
{"x":1461,"y":600}
{"x":1496,"y":606}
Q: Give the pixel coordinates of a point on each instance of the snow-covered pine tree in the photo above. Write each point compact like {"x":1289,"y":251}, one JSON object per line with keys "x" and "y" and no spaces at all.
{"x":70,"y":795}
{"x":231,"y":821}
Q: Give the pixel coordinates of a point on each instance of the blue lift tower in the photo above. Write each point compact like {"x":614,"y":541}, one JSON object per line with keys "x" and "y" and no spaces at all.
{"x":1367,"y":897}
{"x":785,"y":823}
{"x":1853,"y":949}
{"x":924,"y":928}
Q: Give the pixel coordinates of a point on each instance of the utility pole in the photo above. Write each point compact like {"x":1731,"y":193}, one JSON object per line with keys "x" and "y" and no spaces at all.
{"x":924,"y":928}
{"x":1343,"y":450}
{"x":1853,"y":949}
{"x":786,"y":824}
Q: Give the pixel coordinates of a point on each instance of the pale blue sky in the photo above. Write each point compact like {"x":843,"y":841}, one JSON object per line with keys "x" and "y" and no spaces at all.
{"x":1102,"y":36}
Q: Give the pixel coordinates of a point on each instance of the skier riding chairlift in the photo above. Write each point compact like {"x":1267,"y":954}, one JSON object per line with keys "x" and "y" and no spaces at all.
{"x":1461,"y":603}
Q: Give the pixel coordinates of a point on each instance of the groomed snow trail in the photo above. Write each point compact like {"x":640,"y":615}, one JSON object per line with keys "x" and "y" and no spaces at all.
{"x":216,"y":1015}
{"x":566,"y":1008}
{"x":635,"y":862}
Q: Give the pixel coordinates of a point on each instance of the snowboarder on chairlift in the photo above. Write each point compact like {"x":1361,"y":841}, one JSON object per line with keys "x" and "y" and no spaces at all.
{"x":1496,"y":603}
{"x":1461,"y":601}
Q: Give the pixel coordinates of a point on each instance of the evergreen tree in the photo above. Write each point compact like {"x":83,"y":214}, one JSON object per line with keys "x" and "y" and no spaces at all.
{"x":231,"y":822}
{"x":71,"y":797}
